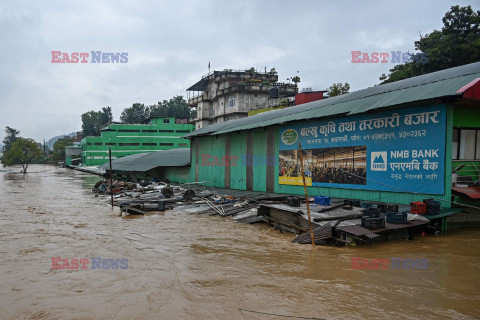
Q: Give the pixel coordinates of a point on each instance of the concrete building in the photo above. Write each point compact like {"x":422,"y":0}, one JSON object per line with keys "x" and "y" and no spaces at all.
{"x":128,"y":139}
{"x":229,"y":95}
{"x":395,"y":143}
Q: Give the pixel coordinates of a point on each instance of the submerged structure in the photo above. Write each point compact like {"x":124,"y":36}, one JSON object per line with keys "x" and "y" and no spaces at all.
{"x":127,"y":139}
{"x":397,"y":142}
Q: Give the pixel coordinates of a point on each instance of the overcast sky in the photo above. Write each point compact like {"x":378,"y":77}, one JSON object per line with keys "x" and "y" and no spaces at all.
{"x":170,"y":43}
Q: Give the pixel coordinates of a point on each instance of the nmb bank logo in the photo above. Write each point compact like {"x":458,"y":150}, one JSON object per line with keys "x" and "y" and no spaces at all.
{"x":379,"y":161}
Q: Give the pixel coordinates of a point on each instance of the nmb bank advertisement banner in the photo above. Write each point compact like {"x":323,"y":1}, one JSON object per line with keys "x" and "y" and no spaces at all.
{"x":402,"y":150}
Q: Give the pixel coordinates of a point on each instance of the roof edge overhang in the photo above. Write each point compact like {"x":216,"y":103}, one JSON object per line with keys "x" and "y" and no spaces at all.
{"x":200,"y":85}
{"x":471,"y":90}
{"x":441,"y":100}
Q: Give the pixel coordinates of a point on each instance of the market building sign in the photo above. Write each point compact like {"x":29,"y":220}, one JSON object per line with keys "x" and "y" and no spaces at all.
{"x":402,"y":150}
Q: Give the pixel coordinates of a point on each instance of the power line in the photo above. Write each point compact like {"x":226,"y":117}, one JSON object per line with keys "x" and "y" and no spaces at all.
{"x":280,"y":315}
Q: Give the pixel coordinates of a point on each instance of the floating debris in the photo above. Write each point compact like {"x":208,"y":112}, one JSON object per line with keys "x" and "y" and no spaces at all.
{"x":337,"y":222}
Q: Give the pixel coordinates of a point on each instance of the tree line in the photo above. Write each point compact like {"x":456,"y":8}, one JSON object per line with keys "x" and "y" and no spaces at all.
{"x":94,"y":121}
{"x":18,"y":150}
{"x":456,"y":44}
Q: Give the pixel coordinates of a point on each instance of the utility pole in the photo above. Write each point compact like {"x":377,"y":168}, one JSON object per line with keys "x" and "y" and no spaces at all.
{"x":111,"y":174}
{"x":306,"y":194}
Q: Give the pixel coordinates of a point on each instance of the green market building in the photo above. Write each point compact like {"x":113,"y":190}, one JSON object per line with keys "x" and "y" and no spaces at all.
{"x":127,"y":139}
{"x":397,"y":143}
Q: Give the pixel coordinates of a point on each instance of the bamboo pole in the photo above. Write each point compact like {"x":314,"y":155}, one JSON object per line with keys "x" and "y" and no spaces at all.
{"x":306,"y":194}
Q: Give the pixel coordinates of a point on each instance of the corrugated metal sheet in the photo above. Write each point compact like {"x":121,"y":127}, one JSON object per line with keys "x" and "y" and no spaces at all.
{"x":436,"y":85}
{"x":146,"y":161}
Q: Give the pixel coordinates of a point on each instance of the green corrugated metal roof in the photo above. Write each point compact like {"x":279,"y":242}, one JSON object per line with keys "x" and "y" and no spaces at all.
{"x":146,"y":161}
{"x":436,"y":85}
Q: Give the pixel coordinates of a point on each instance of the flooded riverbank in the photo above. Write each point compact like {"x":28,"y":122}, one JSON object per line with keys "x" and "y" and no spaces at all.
{"x":200,"y":267}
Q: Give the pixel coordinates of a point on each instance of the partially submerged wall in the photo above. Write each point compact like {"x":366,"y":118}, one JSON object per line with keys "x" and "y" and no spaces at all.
{"x":249,"y":160}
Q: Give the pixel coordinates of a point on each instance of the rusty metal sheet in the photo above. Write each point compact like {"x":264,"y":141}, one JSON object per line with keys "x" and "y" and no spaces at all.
{"x":358,"y":230}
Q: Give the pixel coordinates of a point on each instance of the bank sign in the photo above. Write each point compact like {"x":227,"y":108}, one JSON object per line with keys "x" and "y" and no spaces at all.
{"x":401,"y":150}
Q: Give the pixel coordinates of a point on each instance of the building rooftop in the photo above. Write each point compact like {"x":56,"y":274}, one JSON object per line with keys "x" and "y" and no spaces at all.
{"x":436,"y":87}
{"x":146,"y":161}
{"x":201,"y":85}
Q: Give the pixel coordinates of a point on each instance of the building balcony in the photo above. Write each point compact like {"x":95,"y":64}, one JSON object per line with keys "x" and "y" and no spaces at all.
{"x":195,"y":100}
{"x":247,"y":75}
{"x":284,"y":89}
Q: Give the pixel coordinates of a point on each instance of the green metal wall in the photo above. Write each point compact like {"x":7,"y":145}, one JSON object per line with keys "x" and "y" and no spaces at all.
{"x":259,"y":160}
{"x":178,"y":174}
{"x":466,"y":117}
{"x":212,"y":149}
{"x":215,"y":146}
{"x":95,"y":149}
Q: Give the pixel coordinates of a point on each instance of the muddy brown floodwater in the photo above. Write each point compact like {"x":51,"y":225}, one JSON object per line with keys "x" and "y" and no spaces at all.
{"x":186,"y":266}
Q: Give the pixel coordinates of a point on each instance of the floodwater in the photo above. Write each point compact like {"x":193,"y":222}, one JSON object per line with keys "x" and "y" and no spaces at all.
{"x":186,"y":266}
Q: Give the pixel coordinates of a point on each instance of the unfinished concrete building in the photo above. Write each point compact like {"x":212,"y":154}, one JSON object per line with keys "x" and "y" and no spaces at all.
{"x":228,"y":95}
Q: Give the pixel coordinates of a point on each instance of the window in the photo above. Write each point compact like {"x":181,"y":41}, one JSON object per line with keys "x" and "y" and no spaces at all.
{"x":149,"y":130}
{"x":110,"y":143}
{"x":129,"y":144}
{"x":89,"y":143}
{"x":166,"y":144}
{"x":183,"y":131}
{"x":128,"y":130}
{"x":466,"y":144}
{"x":231,"y":102}
{"x":98,"y":144}
{"x":166,"y":120}
{"x":165,"y":130}
{"x":182,"y":145}
{"x":149,"y":144}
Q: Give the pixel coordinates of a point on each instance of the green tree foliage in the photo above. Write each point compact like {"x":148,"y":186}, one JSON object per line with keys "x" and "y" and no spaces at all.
{"x":23,"y":151}
{"x":59,"y":148}
{"x":135,"y":114}
{"x":337,"y":89}
{"x":175,"y":107}
{"x":296,"y":80}
{"x":11,"y":135}
{"x":94,"y":121}
{"x":458,"y":43}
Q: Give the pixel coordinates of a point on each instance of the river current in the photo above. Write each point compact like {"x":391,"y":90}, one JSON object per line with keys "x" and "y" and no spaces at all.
{"x":186,"y":266}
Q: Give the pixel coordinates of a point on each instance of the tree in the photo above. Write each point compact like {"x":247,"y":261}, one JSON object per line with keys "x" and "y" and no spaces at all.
{"x":296,"y":80}
{"x":59,"y":148}
{"x":337,"y":89}
{"x":23,"y":151}
{"x":175,"y":107}
{"x":458,"y":43}
{"x":94,"y":121}
{"x":11,"y":135}
{"x":137,"y":113}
